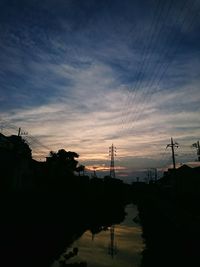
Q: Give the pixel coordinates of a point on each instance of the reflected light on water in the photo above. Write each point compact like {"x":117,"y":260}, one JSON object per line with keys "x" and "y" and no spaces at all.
{"x":94,"y":249}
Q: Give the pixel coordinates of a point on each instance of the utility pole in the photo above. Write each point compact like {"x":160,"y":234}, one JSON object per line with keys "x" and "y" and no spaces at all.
{"x":173,"y":145}
{"x":112,"y":154}
{"x":94,"y":172}
{"x":19,"y":131}
{"x":197,"y":146}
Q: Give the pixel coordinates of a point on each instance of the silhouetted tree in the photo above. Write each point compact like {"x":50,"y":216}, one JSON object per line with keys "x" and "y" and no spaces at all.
{"x":62,"y":154}
{"x":53,"y":155}
{"x":65,"y":160}
{"x":80,"y":168}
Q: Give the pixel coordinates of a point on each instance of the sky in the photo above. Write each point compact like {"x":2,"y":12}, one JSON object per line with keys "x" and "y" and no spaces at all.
{"x":83,"y":75}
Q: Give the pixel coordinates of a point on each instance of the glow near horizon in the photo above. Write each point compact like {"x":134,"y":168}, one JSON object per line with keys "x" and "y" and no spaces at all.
{"x":84,"y":97}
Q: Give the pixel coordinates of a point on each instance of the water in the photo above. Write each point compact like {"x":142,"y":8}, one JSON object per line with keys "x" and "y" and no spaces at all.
{"x":119,"y":245}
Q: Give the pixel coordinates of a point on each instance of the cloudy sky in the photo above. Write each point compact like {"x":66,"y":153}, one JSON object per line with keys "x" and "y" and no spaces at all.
{"x":81,"y":75}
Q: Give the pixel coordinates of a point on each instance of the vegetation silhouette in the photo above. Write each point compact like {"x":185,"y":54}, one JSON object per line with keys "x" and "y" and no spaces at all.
{"x":169,"y":212}
{"x":45,"y":206}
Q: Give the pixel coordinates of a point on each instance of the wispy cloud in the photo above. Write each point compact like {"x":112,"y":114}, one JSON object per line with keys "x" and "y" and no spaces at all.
{"x":85,"y":83}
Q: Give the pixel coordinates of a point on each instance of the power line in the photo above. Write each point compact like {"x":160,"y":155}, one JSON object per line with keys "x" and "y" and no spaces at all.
{"x":144,"y":53}
{"x":148,"y":52}
{"x":31,"y":140}
{"x":157,"y":70}
{"x":132,"y":93}
{"x":162,"y":68}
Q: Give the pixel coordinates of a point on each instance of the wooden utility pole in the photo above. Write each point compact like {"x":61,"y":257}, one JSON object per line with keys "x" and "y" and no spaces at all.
{"x":19,"y":131}
{"x":173,"y":145}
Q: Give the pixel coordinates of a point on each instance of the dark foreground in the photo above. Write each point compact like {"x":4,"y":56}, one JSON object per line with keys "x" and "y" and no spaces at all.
{"x":36,"y":229}
{"x":171,"y":227}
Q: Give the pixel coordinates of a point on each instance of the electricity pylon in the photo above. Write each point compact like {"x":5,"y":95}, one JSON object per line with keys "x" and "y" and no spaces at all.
{"x":112,"y":154}
{"x":173,"y":145}
{"x":112,"y":247}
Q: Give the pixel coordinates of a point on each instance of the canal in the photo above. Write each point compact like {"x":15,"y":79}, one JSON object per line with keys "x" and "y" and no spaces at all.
{"x":117,"y":245}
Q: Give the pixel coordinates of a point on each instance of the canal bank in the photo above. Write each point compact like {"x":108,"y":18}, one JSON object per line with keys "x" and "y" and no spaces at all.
{"x":114,"y":245}
{"x":170,"y":226}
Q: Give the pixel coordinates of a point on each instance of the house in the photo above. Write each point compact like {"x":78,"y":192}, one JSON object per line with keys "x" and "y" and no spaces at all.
{"x":184,"y":180}
{"x":15,"y":168}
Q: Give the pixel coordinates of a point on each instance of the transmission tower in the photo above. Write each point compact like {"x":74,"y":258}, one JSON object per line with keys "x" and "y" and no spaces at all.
{"x":112,"y":154}
{"x":173,"y":145}
{"x":112,"y":247}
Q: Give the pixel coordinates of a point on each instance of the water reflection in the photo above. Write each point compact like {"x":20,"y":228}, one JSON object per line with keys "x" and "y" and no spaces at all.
{"x":112,"y":247}
{"x":119,"y":245}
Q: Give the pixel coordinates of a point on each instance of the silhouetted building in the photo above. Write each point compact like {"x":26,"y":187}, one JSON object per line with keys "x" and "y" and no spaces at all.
{"x":15,"y":158}
{"x":184,"y":180}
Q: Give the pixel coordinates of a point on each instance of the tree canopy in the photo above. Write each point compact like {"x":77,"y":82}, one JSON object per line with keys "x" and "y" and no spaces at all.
{"x":65,"y":159}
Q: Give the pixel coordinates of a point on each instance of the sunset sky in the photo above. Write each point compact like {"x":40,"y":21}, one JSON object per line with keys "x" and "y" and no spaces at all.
{"x":81,"y":75}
